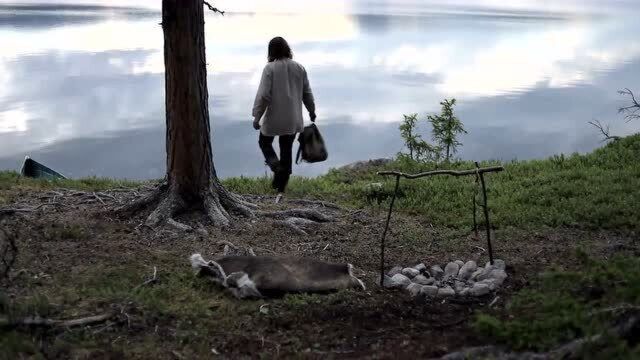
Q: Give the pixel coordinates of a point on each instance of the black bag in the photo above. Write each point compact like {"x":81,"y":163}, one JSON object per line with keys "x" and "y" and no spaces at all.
{"x":311,"y":148}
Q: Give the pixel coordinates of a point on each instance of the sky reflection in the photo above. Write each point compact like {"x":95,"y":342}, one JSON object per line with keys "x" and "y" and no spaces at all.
{"x":77,"y":81}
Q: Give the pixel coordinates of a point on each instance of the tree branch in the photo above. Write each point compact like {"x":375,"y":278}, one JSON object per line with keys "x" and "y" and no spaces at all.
{"x":604,"y":130}
{"x":214,"y":9}
{"x":632,"y":111}
{"x":442,"y":172}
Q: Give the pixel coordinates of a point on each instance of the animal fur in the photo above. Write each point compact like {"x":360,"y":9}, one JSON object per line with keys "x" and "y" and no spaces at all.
{"x":258,"y":276}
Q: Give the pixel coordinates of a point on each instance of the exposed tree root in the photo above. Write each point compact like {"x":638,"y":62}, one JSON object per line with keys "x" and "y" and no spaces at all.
{"x":168,"y":207}
{"x":178,"y":225}
{"x":310,"y":214}
{"x":216,"y":212}
{"x":323,"y":204}
{"x":291,"y":225}
{"x":219,"y":205}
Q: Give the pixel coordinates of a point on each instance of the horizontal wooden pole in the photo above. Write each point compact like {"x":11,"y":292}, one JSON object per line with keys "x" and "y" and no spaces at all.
{"x":442,"y":172}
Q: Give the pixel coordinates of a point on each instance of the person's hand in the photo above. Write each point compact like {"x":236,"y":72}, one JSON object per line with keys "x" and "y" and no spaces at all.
{"x":256,"y":124}
{"x":312,"y":116}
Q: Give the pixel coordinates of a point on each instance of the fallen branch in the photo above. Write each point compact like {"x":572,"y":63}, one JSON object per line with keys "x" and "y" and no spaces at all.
{"x":37,"y":321}
{"x":11,"y":211}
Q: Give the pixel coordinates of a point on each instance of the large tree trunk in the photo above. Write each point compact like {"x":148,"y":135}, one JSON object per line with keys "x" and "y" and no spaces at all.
{"x":189,"y":162}
{"x":191,"y":181}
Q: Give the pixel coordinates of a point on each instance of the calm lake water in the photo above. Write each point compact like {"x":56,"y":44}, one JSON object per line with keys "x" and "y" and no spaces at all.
{"x":82,"y":88}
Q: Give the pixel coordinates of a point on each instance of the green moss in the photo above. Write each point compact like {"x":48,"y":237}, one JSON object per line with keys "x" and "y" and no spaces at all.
{"x":564,"y":305}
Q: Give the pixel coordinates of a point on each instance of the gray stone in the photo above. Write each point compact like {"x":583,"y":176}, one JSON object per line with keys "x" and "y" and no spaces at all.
{"x":429,"y":291}
{"x":446,"y":292}
{"x":399,"y":280}
{"x":498,"y":264}
{"x":451,"y":270}
{"x":423,"y":280}
{"x":459,"y":262}
{"x":486,"y":272}
{"x":467,"y":270}
{"x":499,"y":276}
{"x":410,"y":272}
{"x":479,"y":289}
{"x":414,"y":289}
{"x":421,"y":267}
{"x":395,"y":270}
{"x":437,"y":272}
{"x":491,"y":283}
{"x":458,"y":286}
{"x":465,"y":291}
{"x":476,"y":273}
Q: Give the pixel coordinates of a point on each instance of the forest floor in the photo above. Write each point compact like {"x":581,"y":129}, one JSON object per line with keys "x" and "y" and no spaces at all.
{"x":77,"y":259}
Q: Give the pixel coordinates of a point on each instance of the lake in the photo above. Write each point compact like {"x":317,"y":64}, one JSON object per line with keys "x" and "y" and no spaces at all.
{"x":82,"y":87}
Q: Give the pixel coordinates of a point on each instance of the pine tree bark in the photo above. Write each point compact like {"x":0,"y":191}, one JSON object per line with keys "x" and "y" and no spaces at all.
{"x":191,"y":180}
{"x":189,"y":161}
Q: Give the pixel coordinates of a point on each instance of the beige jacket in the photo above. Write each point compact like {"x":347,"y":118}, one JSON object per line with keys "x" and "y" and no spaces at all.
{"x":283,"y":89}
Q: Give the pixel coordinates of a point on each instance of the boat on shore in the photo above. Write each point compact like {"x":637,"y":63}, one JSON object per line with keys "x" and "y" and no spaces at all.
{"x":33,"y":169}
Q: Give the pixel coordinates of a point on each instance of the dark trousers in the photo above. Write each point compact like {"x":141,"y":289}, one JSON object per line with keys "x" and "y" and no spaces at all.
{"x":282,"y":167}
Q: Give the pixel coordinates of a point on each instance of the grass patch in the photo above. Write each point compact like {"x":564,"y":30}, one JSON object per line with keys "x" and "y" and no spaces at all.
{"x":11,"y":180}
{"x":564,"y":305}
{"x":191,"y":309}
{"x":593,"y":191}
{"x":596,"y":190}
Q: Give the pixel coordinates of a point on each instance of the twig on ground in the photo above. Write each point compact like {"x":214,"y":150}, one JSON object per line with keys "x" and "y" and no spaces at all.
{"x":108,"y":196}
{"x":99,"y":198}
{"x":479,"y":248}
{"x":495,"y":300}
{"x":50,"y":323}
{"x":11,"y":211}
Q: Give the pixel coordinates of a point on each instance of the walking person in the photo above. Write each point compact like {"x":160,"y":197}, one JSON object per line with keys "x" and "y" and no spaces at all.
{"x":284,"y":88}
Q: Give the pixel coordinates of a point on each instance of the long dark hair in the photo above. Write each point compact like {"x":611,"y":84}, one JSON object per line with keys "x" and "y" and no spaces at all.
{"x":279,"y":49}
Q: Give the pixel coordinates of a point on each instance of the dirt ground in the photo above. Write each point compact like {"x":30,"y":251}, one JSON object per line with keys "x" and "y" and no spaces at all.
{"x":78,"y":254}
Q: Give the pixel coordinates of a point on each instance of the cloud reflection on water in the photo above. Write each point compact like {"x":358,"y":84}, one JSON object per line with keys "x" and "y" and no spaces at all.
{"x":71,"y":82}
